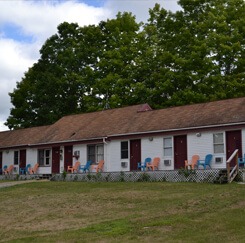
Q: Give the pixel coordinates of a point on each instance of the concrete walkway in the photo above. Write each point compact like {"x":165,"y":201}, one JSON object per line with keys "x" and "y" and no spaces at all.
{"x":14,"y":183}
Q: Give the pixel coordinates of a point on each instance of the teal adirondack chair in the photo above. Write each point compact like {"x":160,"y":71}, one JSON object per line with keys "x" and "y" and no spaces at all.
{"x":143,"y":165}
{"x":206,"y":162}
{"x":25,"y":170}
{"x":241,"y":161}
{"x":86,"y":167}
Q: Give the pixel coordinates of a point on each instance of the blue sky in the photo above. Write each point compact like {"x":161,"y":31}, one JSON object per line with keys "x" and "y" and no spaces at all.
{"x":26,"y":24}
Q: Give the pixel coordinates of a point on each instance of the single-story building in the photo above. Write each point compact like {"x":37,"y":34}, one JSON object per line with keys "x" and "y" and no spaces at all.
{"x":124,"y":136}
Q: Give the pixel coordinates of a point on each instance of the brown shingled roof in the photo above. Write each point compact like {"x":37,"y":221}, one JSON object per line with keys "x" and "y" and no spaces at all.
{"x":127,"y":120}
{"x":21,"y":137}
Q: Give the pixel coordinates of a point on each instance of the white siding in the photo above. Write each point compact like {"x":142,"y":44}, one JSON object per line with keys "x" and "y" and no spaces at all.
{"x":203,"y":145}
{"x":152,"y":148}
{"x":82,"y":148}
{"x":113,"y":159}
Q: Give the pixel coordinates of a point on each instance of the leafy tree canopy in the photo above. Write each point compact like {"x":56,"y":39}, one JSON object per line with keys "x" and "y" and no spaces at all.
{"x":194,"y":55}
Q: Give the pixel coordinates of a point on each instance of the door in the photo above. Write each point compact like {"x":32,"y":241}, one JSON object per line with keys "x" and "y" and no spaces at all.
{"x":22,"y":163}
{"x":180,"y":151}
{"x":1,"y":162}
{"x":135,"y":153}
{"x":68,"y":157}
{"x":233,"y":142}
{"x":56,"y":160}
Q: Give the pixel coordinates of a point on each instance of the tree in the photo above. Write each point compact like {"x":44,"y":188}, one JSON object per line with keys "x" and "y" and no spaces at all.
{"x":194,"y":55}
{"x":197,"y":53}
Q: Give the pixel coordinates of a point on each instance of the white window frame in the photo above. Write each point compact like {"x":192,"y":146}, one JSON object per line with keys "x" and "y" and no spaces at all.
{"x":45,"y":158}
{"x":98,"y":152}
{"x":218,"y":144}
{"x":125,"y":150}
{"x":168,"y":147}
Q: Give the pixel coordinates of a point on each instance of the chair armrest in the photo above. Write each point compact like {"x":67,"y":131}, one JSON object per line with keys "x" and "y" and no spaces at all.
{"x":200,"y":160}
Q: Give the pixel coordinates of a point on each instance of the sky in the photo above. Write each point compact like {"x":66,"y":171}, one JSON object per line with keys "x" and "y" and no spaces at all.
{"x":26,"y":24}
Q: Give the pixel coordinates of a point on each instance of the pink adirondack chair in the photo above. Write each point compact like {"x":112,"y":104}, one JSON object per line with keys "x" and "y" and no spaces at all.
{"x":74,"y":168}
{"x":9,"y":170}
{"x":99,"y":167}
{"x":193,"y":162}
{"x":34,"y":169}
{"x":154,"y":165}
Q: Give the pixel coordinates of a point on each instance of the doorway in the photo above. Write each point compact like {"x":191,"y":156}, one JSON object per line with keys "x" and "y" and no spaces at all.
{"x":135,"y":153}
{"x":180,"y":151}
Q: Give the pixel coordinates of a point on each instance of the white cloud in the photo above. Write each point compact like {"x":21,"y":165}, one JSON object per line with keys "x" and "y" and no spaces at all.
{"x":140,"y":8}
{"x":37,"y":21}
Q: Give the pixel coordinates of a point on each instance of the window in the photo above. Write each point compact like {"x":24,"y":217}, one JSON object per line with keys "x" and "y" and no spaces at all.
{"x":44,"y":157}
{"x":167,"y":147}
{"x":16,"y":157}
{"x":95,"y":153}
{"x":218,"y":142}
{"x":124,"y":150}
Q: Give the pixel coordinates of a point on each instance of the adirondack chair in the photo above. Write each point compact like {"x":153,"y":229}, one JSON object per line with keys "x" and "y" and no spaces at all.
{"x":76,"y":167}
{"x":241,"y":161}
{"x":206,"y":162}
{"x":143,"y":165}
{"x":99,"y":167}
{"x":9,"y":170}
{"x":25,"y":170}
{"x":4,"y":169}
{"x":34,"y":169}
{"x":154,"y":164}
{"x":86,"y":167}
{"x":193,"y":162}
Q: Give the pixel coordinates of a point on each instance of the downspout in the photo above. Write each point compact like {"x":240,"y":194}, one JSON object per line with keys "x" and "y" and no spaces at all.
{"x":104,"y":140}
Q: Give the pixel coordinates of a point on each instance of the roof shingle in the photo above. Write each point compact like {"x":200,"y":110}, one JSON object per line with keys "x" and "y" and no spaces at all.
{"x":128,"y":120}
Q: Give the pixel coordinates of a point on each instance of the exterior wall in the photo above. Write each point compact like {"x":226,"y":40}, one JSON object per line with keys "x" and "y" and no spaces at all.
{"x":82,"y":148}
{"x":152,"y":147}
{"x":113,"y":159}
{"x":243,"y":141}
{"x":62,"y":159}
{"x":204,"y":145}
{"x":8,"y":159}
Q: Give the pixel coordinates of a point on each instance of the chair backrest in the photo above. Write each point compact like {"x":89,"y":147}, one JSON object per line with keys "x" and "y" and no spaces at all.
{"x":10,"y":168}
{"x":87,"y":164}
{"x":208,"y":159}
{"x":28,"y":166}
{"x":100,"y":165}
{"x":35,"y":167}
{"x":147,"y":160}
{"x":194,"y":159}
{"x":156,"y":162}
{"x":76,"y":166}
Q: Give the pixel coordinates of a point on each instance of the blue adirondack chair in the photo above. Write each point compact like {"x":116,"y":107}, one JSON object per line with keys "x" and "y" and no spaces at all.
{"x":143,"y":165}
{"x":206,"y":162}
{"x":25,"y":170}
{"x":4,"y":168}
{"x":86,"y":167}
{"x":241,"y":161}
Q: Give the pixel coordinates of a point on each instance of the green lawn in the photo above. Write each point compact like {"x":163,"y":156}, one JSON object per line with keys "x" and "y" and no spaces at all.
{"x":122,"y":212}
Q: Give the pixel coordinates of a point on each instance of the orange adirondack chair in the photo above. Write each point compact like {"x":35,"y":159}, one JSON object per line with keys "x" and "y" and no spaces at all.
{"x":9,"y":170}
{"x":76,"y":167}
{"x":193,"y":162}
{"x":99,"y":167}
{"x":154,"y":164}
{"x":34,"y":169}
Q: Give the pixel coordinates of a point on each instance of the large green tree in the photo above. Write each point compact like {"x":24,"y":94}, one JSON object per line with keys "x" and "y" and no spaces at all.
{"x":193,"y":55}
{"x":196,"y":54}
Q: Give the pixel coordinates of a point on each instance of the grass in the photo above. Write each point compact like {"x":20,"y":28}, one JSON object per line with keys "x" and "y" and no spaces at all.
{"x":122,"y":212}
